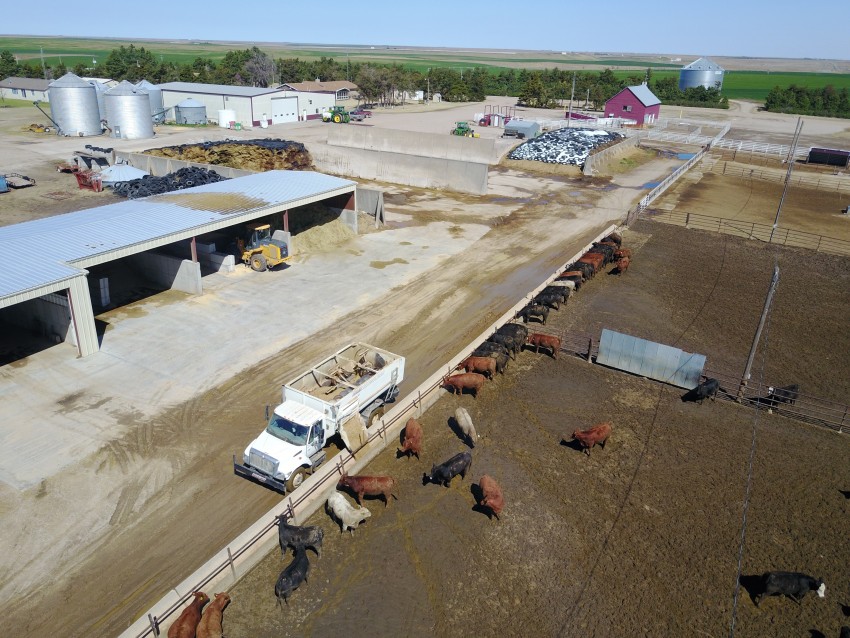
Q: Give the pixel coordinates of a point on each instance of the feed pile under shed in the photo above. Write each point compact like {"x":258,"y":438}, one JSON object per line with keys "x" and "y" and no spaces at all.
{"x":564,"y":146}
{"x":257,"y":155}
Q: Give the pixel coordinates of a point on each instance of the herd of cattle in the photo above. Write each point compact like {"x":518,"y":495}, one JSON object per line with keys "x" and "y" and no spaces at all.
{"x":487,"y":359}
{"x":503,"y":345}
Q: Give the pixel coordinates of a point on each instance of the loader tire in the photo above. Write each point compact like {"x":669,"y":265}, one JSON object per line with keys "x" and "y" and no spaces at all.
{"x":258,"y":263}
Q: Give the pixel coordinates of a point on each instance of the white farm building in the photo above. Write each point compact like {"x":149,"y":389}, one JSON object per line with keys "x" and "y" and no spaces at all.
{"x":248,"y":105}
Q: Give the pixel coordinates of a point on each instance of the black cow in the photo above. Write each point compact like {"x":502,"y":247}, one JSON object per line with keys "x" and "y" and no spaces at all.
{"x":292,"y":576}
{"x":786,"y":394}
{"x":562,"y":291}
{"x":705,"y":390}
{"x":515,"y":330}
{"x":585,"y":269}
{"x":443,"y":473}
{"x":615,"y":238}
{"x":791,"y":584}
{"x":299,"y":537}
{"x":494,"y":350}
{"x":533,"y":310}
{"x":549,"y":300}
{"x":845,"y":632}
{"x":513,"y":346}
{"x":607,"y":251}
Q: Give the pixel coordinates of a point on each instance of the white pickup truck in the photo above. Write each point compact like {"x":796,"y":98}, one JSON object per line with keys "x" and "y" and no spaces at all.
{"x":343,"y":394}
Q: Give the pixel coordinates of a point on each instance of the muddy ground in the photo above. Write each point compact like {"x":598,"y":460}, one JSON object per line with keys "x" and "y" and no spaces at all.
{"x":640,"y":538}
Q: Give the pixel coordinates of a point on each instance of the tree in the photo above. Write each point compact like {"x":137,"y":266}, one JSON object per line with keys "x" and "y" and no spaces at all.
{"x":8,"y":65}
{"x":260,"y":69}
{"x":534,"y":93}
{"x":129,"y":63}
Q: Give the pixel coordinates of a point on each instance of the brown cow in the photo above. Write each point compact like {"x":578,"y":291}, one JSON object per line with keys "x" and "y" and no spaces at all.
{"x":370,"y":486}
{"x":598,"y":434}
{"x":460,"y":382}
{"x":623,"y":265}
{"x":412,"y":443}
{"x":538,"y":339}
{"x":210,"y":625}
{"x":622,"y":252}
{"x":594,"y":260}
{"x":482,"y":365}
{"x":492,"y":496}
{"x":187,"y":622}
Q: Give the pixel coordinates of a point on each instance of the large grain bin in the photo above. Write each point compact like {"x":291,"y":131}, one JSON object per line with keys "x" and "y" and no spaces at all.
{"x":190,"y":111}
{"x":100,"y":89}
{"x":128,"y":112}
{"x":73,"y":106}
{"x":155,"y":97}
{"x":702,"y":72}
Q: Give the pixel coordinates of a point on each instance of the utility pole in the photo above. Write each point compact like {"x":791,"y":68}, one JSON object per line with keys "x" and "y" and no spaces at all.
{"x":791,"y":154}
{"x":43,"y":68}
{"x":572,"y":95}
{"x":746,"y":378}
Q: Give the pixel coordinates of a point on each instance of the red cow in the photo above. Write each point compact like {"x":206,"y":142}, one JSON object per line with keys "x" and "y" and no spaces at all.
{"x":412,"y":443}
{"x":492,"y":496}
{"x":460,"y":382}
{"x":482,"y":365}
{"x":538,"y":339}
{"x":370,"y":486}
{"x":598,"y":434}
{"x":187,"y":622}
{"x":569,"y":274}
{"x":623,"y":265}
{"x":622,"y":252}
{"x":595,"y":260}
{"x":210,"y":625}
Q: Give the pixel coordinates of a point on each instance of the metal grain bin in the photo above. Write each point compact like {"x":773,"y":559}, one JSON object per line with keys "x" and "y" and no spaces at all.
{"x":702,"y":72}
{"x":190,"y":111}
{"x":100,"y":89}
{"x":128,"y":112}
{"x":155,"y":97}
{"x":73,"y":105}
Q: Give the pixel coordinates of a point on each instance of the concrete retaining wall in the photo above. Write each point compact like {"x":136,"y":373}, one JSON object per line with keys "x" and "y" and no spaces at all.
{"x":620,"y":148}
{"x":452,"y":147}
{"x":170,"y":272}
{"x":159,"y":166}
{"x":402,"y":168}
{"x":48,"y":316}
{"x":224,"y":569}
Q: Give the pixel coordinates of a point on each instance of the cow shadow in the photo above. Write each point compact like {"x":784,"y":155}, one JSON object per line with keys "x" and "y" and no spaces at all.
{"x":754,"y":585}
{"x":571,"y":443}
{"x":845,"y":493}
{"x":459,"y":433}
{"x":478,"y":495}
{"x":366,"y":497}
{"x":691,"y":396}
{"x":816,"y":633}
{"x":845,"y":609}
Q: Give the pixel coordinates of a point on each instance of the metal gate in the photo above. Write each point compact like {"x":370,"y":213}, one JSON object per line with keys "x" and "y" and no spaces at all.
{"x":284,"y":109}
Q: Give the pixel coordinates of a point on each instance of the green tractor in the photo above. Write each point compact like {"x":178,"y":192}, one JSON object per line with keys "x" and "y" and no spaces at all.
{"x":462,"y":129}
{"x":337,"y":115}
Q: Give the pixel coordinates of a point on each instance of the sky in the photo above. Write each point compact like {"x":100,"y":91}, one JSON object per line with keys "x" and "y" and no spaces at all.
{"x":751,"y":28}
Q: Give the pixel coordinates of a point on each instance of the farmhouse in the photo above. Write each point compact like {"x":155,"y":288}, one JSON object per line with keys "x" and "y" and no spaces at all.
{"x":249,"y":105}
{"x":635,"y":103}
{"x":32,"y":89}
{"x":341,"y":89}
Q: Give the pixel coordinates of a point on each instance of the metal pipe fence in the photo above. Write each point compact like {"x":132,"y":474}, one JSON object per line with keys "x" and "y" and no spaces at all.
{"x":751,"y":230}
{"x":820,"y":182}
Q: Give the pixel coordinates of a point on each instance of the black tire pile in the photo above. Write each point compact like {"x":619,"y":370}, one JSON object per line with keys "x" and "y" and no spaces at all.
{"x":178,"y":180}
{"x":564,"y":146}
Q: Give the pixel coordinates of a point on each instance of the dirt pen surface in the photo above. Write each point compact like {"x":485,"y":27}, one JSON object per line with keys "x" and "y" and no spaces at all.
{"x":640,"y":538}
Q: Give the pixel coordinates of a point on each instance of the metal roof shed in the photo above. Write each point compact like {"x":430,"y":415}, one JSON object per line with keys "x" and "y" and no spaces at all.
{"x":649,"y":359}
{"x":522,"y":129}
{"x":98,"y":235}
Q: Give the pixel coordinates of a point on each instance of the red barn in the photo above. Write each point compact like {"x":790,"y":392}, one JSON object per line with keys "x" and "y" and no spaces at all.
{"x":636,"y":103}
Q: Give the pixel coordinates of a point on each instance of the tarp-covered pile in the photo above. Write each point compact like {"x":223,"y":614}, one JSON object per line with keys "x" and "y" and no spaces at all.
{"x":178,"y":180}
{"x":564,"y":146}
{"x":254,"y":155}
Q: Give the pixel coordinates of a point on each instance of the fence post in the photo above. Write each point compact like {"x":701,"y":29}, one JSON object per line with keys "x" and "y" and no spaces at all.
{"x":820,"y":238}
{"x":687,"y":219}
{"x":590,"y":350}
{"x":230,"y":560}
{"x":154,"y":624}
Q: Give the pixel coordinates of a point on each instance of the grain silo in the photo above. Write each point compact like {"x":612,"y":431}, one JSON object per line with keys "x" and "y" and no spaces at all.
{"x":100,"y":88}
{"x":155,"y":97}
{"x":128,"y":112}
{"x":702,"y":72}
{"x":190,"y":111}
{"x":73,"y":106}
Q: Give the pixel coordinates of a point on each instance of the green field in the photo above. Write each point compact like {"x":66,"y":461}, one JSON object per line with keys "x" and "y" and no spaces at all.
{"x":749,"y":85}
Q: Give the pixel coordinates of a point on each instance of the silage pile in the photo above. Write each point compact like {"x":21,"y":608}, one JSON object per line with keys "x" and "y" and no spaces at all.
{"x":564,"y":146}
{"x":253,"y":155}
{"x":321,"y":238}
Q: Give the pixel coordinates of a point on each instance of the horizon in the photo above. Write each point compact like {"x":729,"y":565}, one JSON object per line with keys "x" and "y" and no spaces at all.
{"x":724,"y":31}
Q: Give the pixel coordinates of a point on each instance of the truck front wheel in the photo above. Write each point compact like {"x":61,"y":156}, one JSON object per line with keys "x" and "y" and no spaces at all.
{"x":377,"y":413}
{"x":296,"y":479}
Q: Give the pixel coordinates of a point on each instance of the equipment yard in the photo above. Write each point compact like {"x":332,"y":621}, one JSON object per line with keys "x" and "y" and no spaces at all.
{"x":118,"y":466}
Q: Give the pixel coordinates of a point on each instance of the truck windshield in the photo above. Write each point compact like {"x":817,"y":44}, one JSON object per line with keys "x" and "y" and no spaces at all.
{"x":287,"y":430}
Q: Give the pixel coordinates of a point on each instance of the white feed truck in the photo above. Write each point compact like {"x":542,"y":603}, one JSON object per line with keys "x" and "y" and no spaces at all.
{"x":343,"y":394}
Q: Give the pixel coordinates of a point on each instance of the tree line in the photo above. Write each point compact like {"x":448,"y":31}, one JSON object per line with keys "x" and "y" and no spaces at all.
{"x":826,"y":101}
{"x":377,"y":83}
